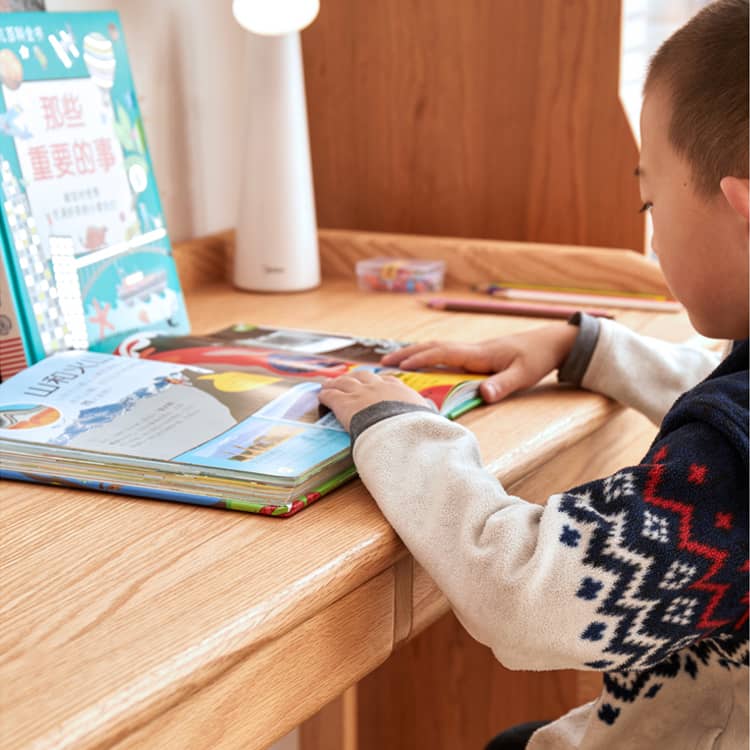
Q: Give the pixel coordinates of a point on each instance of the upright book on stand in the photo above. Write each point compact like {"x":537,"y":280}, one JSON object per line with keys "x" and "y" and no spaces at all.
{"x":86,"y":256}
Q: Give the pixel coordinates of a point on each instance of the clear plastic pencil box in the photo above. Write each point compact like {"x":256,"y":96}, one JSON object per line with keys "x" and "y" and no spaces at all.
{"x":400,"y":275}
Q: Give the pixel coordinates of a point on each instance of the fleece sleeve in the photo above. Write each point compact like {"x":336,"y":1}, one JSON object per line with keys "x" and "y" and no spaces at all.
{"x":614,"y":574}
{"x":645,"y":373}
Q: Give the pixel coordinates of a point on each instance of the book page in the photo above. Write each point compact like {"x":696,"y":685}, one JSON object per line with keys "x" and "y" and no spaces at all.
{"x":246,"y":422}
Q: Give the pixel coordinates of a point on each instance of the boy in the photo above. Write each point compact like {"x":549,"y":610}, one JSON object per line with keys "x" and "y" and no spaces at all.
{"x":642,"y":575}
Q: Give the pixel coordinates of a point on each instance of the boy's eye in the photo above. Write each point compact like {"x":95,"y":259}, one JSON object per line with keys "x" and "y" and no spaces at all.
{"x":645,"y":207}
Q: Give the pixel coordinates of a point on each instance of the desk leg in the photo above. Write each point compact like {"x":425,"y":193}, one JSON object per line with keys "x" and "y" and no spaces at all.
{"x":334,"y":727}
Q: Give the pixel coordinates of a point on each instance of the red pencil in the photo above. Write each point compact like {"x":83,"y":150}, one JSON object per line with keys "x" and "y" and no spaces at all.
{"x":500,"y":307}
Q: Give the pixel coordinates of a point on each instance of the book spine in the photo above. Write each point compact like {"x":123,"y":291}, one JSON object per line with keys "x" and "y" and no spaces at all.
{"x":151,"y":493}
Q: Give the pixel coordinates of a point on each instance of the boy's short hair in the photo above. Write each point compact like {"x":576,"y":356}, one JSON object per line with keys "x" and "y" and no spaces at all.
{"x":704,"y":69}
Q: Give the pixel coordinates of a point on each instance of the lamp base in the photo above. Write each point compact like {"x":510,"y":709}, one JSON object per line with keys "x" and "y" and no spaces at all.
{"x":284,"y":270}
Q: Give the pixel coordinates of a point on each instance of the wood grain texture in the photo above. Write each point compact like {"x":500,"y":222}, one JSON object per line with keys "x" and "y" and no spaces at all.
{"x":118,"y":612}
{"x":201,"y":263}
{"x":324,"y":655}
{"x":481,"y":118}
{"x":334,"y":727}
{"x":204,"y":261}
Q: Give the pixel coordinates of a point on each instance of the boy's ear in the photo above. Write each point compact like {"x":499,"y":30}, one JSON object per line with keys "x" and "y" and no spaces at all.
{"x":737,"y":192}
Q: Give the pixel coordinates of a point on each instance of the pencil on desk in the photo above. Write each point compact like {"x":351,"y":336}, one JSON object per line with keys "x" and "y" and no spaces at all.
{"x":626,"y":303}
{"x":501,"y":307}
{"x":492,"y":288}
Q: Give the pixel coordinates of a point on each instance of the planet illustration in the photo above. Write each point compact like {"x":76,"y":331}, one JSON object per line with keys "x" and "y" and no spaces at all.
{"x":11,"y":70}
{"x":27,"y":416}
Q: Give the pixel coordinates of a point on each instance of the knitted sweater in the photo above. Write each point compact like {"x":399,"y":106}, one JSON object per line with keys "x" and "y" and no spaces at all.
{"x":641,"y":575}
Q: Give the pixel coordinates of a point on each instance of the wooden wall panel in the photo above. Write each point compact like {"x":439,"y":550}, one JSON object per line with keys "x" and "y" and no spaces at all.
{"x":472,"y":118}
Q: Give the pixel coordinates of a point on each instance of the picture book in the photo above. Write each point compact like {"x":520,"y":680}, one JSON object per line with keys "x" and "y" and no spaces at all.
{"x":85,"y":247}
{"x":231,"y":420}
{"x":310,"y":355}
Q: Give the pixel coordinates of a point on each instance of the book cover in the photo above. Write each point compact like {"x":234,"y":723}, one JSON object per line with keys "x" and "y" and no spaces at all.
{"x":85,"y":241}
{"x":229,"y":438}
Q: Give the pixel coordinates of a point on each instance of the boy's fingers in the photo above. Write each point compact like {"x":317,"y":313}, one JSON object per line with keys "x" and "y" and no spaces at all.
{"x":394,"y":358}
{"x":452,"y":355}
{"x":325,"y":397}
{"x":502,"y":384}
{"x":351,"y":381}
{"x":364,"y":376}
{"x":345,"y":384}
{"x":330,"y":397}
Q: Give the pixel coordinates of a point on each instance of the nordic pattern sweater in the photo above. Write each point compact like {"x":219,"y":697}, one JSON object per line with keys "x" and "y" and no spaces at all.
{"x":641,"y":575}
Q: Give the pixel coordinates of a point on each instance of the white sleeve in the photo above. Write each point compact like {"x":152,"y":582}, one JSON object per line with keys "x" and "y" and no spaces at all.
{"x":564,"y":585}
{"x":644,"y":372}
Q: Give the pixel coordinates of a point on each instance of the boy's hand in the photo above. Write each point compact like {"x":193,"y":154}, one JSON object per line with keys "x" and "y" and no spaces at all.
{"x":518,"y":361}
{"x":347,"y":395}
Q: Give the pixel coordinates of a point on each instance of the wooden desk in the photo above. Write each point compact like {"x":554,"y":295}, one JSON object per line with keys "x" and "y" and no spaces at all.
{"x":140,"y":624}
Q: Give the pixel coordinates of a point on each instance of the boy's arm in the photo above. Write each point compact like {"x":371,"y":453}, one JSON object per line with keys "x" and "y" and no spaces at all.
{"x":613,"y":574}
{"x":639,"y":371}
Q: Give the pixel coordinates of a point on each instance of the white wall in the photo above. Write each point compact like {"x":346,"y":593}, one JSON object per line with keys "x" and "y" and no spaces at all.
{"x":187,"y":58}
{"x":645,"y":25}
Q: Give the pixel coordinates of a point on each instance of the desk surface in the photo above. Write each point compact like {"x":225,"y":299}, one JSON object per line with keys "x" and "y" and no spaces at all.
{"x":131,"y":623}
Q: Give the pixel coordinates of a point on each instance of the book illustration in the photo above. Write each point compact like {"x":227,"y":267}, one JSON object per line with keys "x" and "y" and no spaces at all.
{"x":162,"y":411}
{"x":271,"y":447}
{"x":213,"y":353}
{"x":11,"y":70}
{"x":360,"y":349}
{"x":87,"y":245}
{"x":27,"y":416}
{"x":445,"y":390}
{"x":99,"y":57}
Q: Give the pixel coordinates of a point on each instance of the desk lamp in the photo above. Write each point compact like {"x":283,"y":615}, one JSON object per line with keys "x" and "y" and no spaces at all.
{"x":277,"y":242}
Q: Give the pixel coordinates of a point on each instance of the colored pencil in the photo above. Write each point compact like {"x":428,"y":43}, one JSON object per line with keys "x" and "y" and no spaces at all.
{"x":626,"y":303}
{"x":490,"y":288}
{"x":501,"y":307}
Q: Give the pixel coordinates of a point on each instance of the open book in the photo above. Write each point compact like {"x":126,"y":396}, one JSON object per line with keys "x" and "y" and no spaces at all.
{"x":231,"y":420}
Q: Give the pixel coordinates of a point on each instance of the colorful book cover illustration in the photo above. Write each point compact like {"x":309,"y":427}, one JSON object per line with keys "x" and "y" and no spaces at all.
{"x":235,"y":439}
{"x":338,"y":345}
{"x":85,"y":241}
{"x":309,"y":355}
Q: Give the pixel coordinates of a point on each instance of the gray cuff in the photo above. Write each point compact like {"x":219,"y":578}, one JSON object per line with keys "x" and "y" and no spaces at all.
{"x":576,"y":363}
{"x":375,"y":413}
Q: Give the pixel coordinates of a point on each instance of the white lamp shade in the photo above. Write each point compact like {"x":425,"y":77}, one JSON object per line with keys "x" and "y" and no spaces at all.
{"x":275,"y":17}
